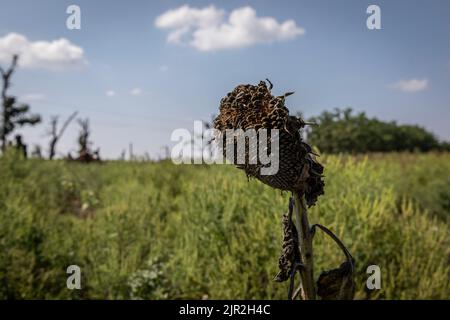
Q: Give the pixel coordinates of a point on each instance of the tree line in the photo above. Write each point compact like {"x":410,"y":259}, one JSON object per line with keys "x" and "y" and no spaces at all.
{"x":348,"y":132}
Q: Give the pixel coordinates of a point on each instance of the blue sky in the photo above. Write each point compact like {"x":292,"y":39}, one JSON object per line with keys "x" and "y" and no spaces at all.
{"x":325,"y":53}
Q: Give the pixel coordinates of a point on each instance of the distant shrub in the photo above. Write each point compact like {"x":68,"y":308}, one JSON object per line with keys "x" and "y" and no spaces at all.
{"x":343,"y":131}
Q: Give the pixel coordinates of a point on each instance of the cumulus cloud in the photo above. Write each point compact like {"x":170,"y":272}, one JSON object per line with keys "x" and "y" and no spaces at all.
{"x":207,"y":29}
{"x":110,"y":93}
{"x":411,"y":85}
{"x":136,"y":92}
{"x":56,"y":55}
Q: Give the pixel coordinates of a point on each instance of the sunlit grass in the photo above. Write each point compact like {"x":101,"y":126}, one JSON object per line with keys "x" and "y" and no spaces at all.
{"x":156,"y":230}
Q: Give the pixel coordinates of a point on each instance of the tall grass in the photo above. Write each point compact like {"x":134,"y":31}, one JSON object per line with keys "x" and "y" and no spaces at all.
{"x":156,"y":231}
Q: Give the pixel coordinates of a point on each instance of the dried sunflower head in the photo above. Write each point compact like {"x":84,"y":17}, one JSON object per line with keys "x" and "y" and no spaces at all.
{"x":250,"y":107}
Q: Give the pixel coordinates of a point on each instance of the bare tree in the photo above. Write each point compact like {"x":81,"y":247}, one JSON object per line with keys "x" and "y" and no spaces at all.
{"x":20,"y":146}
{"x":85,"y":152}
{"x":13,"y":115}
{"x":83,"y":138}
{"x":130,"y":149}
{"x":36,"y":153}
{"x":56,"y":135}
{"x":122,"y":155}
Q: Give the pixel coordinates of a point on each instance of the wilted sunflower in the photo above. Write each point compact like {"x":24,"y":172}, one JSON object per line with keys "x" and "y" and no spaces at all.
{"x":254,"y":107}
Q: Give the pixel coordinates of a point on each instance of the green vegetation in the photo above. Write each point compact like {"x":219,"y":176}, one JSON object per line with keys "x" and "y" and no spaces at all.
{"x":342,"y":131}
{"x":156,"y":230}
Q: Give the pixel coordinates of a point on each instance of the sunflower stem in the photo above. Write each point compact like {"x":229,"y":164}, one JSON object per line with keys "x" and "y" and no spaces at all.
{"x":308,"y":291}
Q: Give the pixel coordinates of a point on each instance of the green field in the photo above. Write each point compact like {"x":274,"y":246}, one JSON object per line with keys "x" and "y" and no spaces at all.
{"x":157,"y":231}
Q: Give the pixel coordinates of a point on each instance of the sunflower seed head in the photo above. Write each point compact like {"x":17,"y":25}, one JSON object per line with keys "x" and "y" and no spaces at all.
{"x":254,"y":107}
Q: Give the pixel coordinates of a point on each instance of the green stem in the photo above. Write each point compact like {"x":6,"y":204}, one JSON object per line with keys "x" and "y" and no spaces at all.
{"x":308,"y":290}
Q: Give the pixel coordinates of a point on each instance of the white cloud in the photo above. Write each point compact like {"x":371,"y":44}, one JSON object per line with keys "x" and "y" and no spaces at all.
{"x":207,"y":29}
{"x":136,"y":92}
{"x":110,"y":93}
{"x":55,"y":55}
{"x":163,"y":68}
{"x":183,"y":19}
{"x":411,"y":85}
{"x":32,"y":97}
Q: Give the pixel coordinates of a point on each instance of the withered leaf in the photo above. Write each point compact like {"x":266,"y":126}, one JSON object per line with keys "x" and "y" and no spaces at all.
{"x":291,"y":253}
{"x":337,"y":284}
